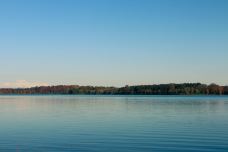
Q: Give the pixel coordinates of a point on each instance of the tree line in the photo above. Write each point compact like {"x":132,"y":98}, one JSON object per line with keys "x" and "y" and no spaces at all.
{"x":161,"y":89}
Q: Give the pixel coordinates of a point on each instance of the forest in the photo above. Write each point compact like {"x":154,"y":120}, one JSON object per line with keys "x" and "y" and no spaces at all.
{"x":161,"y":89}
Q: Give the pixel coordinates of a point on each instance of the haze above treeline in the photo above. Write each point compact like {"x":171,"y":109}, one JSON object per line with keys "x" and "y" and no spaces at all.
{"x":160,"y":89}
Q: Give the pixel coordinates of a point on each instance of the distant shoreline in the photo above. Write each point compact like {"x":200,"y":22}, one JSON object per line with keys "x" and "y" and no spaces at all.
{"x":117,"y":95}
{"x":160,"y":89}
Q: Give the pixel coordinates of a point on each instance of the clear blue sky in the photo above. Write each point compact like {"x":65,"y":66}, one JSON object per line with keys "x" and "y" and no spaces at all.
{"x":114,"y":42}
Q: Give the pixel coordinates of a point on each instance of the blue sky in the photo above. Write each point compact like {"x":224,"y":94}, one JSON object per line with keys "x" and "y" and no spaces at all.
{"x":113,"y":42}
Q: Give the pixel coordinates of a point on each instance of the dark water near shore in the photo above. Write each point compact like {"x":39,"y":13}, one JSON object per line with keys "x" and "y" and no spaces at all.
{"x":114,"y":123}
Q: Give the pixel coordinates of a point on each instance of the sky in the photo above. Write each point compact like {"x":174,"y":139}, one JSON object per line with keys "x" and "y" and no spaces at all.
{"x":113,"y":42}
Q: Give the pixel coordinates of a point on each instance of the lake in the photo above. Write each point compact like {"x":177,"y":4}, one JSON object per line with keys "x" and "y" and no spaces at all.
{"x":114,"y":123}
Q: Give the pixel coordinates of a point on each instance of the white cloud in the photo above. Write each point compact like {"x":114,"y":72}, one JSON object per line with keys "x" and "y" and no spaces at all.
{"x":21,"y":84}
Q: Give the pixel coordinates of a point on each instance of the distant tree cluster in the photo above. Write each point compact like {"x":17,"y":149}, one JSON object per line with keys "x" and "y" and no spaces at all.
{"x":161,"y":89}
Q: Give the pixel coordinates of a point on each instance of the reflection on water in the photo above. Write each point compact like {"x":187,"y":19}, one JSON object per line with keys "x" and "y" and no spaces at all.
{"x":113,"y":123}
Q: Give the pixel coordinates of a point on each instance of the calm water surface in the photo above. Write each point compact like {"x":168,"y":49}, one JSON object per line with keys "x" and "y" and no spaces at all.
{"x":113,"y":123}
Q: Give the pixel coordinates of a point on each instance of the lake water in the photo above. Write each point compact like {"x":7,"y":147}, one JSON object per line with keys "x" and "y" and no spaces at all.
{"x":114,"y":123}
